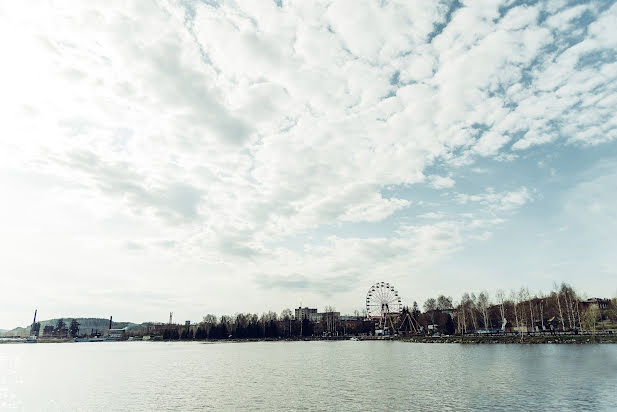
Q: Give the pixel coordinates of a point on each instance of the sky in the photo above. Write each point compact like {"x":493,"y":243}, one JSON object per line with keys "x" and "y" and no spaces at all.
{"x":244,"y":156}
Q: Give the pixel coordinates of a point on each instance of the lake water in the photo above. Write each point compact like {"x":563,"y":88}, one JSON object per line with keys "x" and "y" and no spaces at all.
{"x":378,"y":375}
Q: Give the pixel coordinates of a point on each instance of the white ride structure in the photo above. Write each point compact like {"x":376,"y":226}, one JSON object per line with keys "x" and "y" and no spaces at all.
{"x":383,"y":303}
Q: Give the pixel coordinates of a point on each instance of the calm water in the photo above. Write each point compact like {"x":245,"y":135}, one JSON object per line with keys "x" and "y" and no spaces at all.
{"x":307,"y":375}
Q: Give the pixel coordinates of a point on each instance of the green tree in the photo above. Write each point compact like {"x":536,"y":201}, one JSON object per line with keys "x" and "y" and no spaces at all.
{"x":415,"y":312}
{"x":60,"y":325}
{"x":74,"y":328}
{"x":199,"y":333}
{"x":35,"y":329}
{"x":589,"y":319}
{"x":611,"y":312}
{"x":446,"y":324}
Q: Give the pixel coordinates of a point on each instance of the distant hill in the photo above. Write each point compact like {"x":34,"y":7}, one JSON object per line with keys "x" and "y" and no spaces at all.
{"x":86,"y":325}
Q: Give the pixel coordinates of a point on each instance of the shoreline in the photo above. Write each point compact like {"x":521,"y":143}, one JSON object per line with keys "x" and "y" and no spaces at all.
{"x":450,"y":339}
{"x":511,"y":339}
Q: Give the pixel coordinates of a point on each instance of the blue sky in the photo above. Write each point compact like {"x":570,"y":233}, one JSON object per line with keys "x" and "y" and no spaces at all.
{"x":215,"y":157}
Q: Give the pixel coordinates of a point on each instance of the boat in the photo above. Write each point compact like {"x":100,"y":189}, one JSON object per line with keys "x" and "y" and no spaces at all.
{"x":31,"y":339}
{"x":353,"y":339}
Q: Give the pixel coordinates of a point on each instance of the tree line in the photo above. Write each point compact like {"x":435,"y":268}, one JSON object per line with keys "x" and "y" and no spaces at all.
{"x":269,"y":325}
{"x":561,"y":309}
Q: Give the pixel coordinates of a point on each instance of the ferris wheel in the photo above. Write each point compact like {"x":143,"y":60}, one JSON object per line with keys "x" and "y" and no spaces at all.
{"x":382,"y":299}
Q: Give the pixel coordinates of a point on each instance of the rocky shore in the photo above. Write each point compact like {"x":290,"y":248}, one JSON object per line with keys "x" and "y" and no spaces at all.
{"x":525,"y":339}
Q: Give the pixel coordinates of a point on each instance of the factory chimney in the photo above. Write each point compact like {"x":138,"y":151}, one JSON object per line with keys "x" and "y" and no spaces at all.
{"x":33,"y":323}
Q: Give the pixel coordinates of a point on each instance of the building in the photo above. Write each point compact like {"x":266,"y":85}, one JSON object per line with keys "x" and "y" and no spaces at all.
{"x":315,"y":317}
{"x":554,"y":324}
{"x":61,"y":333}
{"x":48,"y":331}
{"x":306,"y":313}
{"x":116,"y":333}
{"x":156,"y":328}
{"x":596,"y":303}
{"x":350,"y":318}
{"x":330,"y":316}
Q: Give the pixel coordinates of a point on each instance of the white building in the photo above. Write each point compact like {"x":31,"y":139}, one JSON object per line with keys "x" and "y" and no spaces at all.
{"x":116,"y":333}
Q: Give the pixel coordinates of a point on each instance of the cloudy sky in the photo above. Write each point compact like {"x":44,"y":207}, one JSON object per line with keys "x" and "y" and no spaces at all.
{"x":216,"y":157}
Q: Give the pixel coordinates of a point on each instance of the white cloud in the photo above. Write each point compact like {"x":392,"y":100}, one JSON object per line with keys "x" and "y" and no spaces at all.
{"x":431,"y":215}
{"x":500,"y":201}
{"x":224,"y":130}
{"x":441,"y":182}
{"x":374,"y":211}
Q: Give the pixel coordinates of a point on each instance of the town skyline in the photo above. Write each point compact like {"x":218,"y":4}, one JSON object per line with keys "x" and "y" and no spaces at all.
{"x":313,"y":312}
{"x":201,"y":157}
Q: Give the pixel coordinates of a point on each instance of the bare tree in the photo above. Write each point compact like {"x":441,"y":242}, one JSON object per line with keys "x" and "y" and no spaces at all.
{"x":514,"y":299}
{"x":286,"y":316}
{"x":557,"y":293}
{"x":330,"y":321}
{"x":573,"y":303}
{"x":444,"y":302}
{"x":541,"y":304}
{"x":472,"y":310}
{"x":500,"y":295}
{"x":522,"y":298}
{"x":430,"y":304}
{"x":531,"y":317}
{"x":461,"y":317}
{"x":483,"y":304}
{"x":578,"y":313}
{"x":209,"y":318}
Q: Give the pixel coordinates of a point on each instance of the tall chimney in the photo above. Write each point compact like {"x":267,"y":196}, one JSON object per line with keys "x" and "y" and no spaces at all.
{"x":33,"y":323}
{"x":110,"y":318}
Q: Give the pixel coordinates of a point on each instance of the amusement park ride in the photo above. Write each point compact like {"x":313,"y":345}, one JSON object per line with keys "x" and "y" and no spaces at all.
{"x":383,"y":305}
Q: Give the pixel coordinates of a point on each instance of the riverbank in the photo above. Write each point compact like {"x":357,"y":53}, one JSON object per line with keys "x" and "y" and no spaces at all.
{"x":39,"y":340}
{"x":469,"y":339}
{"x":505,"y":339}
